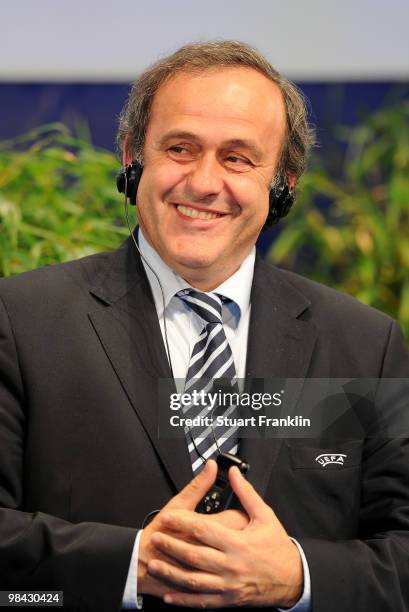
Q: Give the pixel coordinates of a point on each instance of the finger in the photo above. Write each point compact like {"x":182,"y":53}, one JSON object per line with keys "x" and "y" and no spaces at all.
{"x":197,"y":488}
{"x":180,"y":578}
{"x":251,"y":501}
{"x":233,"y":519}
{"x":155,"y":587}
{"x":193,"y":555}
{"x":198,"y":527}
{"x":196,"y":600}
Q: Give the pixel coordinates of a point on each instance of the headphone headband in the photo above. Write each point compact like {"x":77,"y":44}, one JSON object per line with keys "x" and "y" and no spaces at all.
{"x":280,"y":198}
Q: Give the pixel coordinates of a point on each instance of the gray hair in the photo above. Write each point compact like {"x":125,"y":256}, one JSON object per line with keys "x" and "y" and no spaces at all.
{"x":200,"y":57}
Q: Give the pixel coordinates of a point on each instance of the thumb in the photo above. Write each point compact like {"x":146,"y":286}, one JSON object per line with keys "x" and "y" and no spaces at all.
{"x":190,"y":496}
{"x":248,"y":496}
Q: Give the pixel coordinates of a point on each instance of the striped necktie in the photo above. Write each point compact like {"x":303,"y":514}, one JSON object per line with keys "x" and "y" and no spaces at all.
{"x":211,"y":359}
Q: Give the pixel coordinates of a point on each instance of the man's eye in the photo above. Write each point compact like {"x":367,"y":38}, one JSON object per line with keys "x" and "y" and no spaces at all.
{"x":236,"y":160}
{"x":177,"y":149}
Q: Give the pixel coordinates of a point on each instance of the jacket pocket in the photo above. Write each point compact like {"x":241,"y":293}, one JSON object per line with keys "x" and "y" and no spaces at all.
{"x":339,"y":456}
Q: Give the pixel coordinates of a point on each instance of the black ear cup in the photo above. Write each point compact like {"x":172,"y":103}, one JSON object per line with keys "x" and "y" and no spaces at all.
{"x":128,"y":178}
{"x":280,"y":201}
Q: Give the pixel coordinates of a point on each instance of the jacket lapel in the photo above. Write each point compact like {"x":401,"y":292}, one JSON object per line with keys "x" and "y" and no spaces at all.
{"x":280,"y":345}
{"x":128,"y":329}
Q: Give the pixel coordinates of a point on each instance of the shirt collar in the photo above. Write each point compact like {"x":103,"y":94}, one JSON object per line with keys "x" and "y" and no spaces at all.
{"x":237,"y":287}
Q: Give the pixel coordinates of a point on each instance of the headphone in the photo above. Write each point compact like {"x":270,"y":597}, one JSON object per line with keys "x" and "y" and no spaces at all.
{"x":280,"y":198}
{"x":221,"y":495}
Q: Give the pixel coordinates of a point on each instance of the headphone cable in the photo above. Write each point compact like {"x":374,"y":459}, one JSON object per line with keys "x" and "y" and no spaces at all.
{"x":164,"y":311}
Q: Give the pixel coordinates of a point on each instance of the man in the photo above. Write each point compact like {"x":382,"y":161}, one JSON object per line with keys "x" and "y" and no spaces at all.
{"x":83,"y":346}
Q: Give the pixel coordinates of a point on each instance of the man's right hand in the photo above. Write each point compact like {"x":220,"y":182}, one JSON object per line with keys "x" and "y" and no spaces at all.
{"x":187,"y":499}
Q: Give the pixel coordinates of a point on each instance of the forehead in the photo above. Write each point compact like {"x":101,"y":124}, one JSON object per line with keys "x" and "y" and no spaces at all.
{"x":223,"y":100}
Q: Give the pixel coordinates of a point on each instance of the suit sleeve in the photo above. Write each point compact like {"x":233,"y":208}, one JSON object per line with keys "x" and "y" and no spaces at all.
{"x":372,"y":571}
{"x":87,"y":561}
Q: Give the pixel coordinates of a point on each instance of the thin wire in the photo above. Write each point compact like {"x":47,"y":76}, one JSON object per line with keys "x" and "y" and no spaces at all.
{"x":163,"y":304}
{"x":153,"y":272}
{"x":149,"y":517}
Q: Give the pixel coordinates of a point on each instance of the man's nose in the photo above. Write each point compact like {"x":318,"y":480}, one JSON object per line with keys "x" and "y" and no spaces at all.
{"x":205,"y":178}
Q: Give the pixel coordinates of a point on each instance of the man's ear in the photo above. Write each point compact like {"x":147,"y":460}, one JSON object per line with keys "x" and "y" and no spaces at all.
{"x":126,"y":155}
{"x":291,"y":182}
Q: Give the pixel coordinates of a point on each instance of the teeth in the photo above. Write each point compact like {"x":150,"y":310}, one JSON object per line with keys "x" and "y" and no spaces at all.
{"x":197,"y":214}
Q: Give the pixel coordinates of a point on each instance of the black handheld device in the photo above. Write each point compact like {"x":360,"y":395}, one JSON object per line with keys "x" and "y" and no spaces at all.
{"x":221,"y":497}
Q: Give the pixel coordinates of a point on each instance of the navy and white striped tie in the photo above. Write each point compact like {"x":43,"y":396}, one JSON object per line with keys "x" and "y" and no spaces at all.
{"x":211,"y":359}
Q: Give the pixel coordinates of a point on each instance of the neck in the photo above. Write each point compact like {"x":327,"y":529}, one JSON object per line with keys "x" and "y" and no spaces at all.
{"x":205,"y":279}
{"x":201,"y":277}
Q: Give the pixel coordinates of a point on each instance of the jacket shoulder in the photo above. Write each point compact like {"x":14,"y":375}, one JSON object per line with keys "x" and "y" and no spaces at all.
{"x":53,"y":281}
{"x":359,"y":337}
{"x":332,"y":303}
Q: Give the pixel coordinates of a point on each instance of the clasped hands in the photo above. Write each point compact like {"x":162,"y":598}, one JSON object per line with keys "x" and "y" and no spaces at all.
{"x":219,"y":560}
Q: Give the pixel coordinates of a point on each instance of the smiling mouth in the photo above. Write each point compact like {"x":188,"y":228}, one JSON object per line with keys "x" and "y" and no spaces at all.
{"x":194,"y":213}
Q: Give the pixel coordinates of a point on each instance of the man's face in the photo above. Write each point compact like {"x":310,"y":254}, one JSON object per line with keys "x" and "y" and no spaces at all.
{"x":212,"y":146}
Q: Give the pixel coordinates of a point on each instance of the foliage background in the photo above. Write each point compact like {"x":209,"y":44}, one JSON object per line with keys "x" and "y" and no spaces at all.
{"x":57,"y":199}
{"x":349,"y":227}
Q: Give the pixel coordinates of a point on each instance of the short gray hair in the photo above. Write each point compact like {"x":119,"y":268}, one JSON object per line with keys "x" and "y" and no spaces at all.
{"x":200,"y":57}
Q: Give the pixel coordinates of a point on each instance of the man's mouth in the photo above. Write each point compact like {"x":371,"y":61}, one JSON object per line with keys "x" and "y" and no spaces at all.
{"x":194,"y":213}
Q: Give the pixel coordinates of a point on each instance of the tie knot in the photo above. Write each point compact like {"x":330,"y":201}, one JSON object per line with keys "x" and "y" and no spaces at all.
{"x":207,"y":305}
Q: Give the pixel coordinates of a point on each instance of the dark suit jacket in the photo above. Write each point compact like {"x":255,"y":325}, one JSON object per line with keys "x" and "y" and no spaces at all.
{"x":80,"y":459}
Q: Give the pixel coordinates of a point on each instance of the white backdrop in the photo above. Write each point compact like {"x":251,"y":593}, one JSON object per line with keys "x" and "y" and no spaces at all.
{"x":107,"y":40}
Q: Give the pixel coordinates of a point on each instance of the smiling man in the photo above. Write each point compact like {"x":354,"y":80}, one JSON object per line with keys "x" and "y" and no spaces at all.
{"x":210,"y":156}
{"x":213,"y":141}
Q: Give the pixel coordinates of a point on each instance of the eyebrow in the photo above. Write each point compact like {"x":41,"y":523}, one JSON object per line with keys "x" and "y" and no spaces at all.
{"x":244,"y":143}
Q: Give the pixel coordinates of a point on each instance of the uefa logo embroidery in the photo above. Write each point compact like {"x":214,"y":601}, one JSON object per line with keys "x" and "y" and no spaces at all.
{"x":331,"y":459}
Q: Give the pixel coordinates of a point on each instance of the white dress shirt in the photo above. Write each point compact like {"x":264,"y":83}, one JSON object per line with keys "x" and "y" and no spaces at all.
{"x":183,"y":327}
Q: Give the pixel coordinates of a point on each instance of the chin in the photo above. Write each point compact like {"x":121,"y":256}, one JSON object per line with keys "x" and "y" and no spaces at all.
{"x":193,"y":254}
{"x":194,"y":261}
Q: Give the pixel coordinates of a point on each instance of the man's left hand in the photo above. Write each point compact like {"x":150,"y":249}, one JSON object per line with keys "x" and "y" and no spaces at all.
{"x":215,"y":566}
